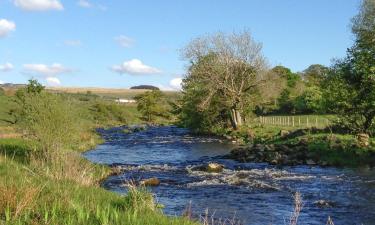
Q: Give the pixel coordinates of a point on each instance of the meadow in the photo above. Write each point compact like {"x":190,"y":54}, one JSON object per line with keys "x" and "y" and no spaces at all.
{"x":64,"y":188}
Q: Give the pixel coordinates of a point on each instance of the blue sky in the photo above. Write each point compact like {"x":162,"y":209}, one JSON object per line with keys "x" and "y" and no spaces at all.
{"x":120,"y":43}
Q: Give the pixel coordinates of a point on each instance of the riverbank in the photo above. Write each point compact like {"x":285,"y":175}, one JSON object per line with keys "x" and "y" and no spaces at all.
{"x":68,"y":192}
{"x":61,"y":187}
{"x":309,"y":146}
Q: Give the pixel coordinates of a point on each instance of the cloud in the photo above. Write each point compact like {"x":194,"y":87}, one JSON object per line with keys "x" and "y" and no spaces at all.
{"x":6,"y":27}
{"x":88,"y":4}
{"x":39,"y":5}
{"x":84,"y":3}
{"x":72,"y":43}
{"x":1,"y":82}
{"x":53,"y":81}
{"x":49,"y":73}
{"x":6,"y":67}
{"x":135,"y":67}
{"x":175,"y":83}
{"x":45,"y":70}
{"x":124,"y":41}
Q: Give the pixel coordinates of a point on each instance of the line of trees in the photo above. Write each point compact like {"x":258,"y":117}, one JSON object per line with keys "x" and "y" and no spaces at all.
{"x":228,"y":79}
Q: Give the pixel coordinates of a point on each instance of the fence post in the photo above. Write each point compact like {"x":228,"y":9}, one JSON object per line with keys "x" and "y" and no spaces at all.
{"x":299,"y":121}
{"x":307,"y":121}
{"x":316,"y":122}
{"x":288,"y":121}
{"x":293,"y":121}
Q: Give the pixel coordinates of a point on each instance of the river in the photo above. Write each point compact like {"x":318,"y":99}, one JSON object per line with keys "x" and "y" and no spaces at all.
{"x":253,"y":193}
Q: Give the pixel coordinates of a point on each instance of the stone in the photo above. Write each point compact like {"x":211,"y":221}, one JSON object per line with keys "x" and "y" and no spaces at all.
{"x":150,"y":182}
{"x":363,"y":140}
{"x":214,"y":168}
{"x":284,"y":133}
{"x":269,"y":148}
{"x":310,"y":162}
{"x":324,"y":203}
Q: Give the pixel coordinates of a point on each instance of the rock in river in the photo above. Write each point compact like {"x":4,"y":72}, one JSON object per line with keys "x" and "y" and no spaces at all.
{"x":324,"y":203}
{"x":214,"y":168}
{"x":150,"y":182}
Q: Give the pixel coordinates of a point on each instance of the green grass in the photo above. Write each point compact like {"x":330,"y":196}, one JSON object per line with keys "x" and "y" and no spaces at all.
{"x":29,"y":197}
{"x":335,"y":149}
{"x":6,"y":103}
{"x":66,"y":190}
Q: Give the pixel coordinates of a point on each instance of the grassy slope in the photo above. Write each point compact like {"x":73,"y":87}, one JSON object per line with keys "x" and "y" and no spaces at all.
{"x":336,"y":149}
{"x":30,"y":197}
{"x":111,"y":93}
{"x":32,"y":193}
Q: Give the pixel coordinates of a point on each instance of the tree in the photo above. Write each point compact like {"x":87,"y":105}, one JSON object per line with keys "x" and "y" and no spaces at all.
{"x":292,"y":87}
{"x":152,"y":105}
{"x":47,"y":118}
{"x":350,"y":89}
{"x":315,"y":74}
{"x":229,"y":68}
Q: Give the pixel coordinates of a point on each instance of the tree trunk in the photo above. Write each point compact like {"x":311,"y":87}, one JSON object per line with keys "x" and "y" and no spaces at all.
{"x":236,"y":118}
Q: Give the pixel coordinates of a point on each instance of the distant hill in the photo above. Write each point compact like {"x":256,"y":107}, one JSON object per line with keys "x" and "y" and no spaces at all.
{"x":145,"y":87}
{"x":10,"y":85}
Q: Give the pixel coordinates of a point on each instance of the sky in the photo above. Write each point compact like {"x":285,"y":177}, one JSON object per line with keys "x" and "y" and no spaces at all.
{"x":122,"y":43}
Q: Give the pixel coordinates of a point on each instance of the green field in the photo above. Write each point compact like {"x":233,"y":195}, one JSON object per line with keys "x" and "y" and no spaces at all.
{"x":65,"y":189}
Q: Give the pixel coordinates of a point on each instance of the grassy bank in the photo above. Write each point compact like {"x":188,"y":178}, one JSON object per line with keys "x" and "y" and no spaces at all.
{"x":60,"y":187}
{"x":35,"y":194}
{"x":333,"y":148}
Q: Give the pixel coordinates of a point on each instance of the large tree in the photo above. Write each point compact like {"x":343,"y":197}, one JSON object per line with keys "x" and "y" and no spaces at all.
{"x":351,"y":87}
{"x":229,"y":68}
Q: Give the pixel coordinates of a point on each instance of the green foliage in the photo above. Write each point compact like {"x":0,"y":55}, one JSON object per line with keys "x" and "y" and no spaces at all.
{"x":311,"y":101}
{"x":291,"y":90}
{"x":152,"y":105}
{"x":202,"y":120}
{"x":350,"y":87}
{"x":46,"y":117}
{"x":2,"y":92}
{"x":108,"y":111}
{"x":315,"y":74}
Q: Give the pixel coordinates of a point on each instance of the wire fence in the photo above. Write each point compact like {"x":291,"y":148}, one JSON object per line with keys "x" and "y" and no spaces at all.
{"x":294,"y":121}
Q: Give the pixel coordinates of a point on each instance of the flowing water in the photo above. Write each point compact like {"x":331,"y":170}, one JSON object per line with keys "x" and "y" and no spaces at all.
{"x":253,"y":193}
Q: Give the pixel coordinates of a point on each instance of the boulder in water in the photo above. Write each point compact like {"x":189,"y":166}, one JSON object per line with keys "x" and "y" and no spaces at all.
{"x":150,"y":182}
{"x":324,"y":203}
{"x":310,"y":162}
{"x":214,"y":168}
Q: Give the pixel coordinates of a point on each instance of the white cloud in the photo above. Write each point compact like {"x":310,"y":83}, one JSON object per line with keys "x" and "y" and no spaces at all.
{"x":6,"y":67}
{"x":135,"y":67}
{"x":176,"y":83}
{"x":72,"y":43}
{"x":6,"y":27}
{"x":53,"y":81}
{"x":1,"y":82}
{"x":39,"y":5}
{"x":49,"y":73}
{"x":124,"y":41}
{"x":45,"y":70}
{"x":84,"y":3}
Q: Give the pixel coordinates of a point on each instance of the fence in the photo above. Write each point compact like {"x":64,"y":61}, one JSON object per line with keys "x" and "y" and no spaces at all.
{"x":294,"y":121}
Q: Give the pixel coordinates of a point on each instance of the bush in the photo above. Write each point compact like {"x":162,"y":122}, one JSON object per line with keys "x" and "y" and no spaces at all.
{"x":48,"y":118}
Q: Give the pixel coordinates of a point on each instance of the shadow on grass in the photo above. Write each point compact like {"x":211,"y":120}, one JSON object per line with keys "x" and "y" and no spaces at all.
{"x":16,"y":149}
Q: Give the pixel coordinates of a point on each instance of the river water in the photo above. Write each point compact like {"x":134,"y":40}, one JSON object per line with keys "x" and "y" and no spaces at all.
{"x":252,"y":193}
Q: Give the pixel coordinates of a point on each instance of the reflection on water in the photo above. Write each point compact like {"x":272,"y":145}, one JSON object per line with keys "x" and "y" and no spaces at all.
{"x":254,"y":193}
